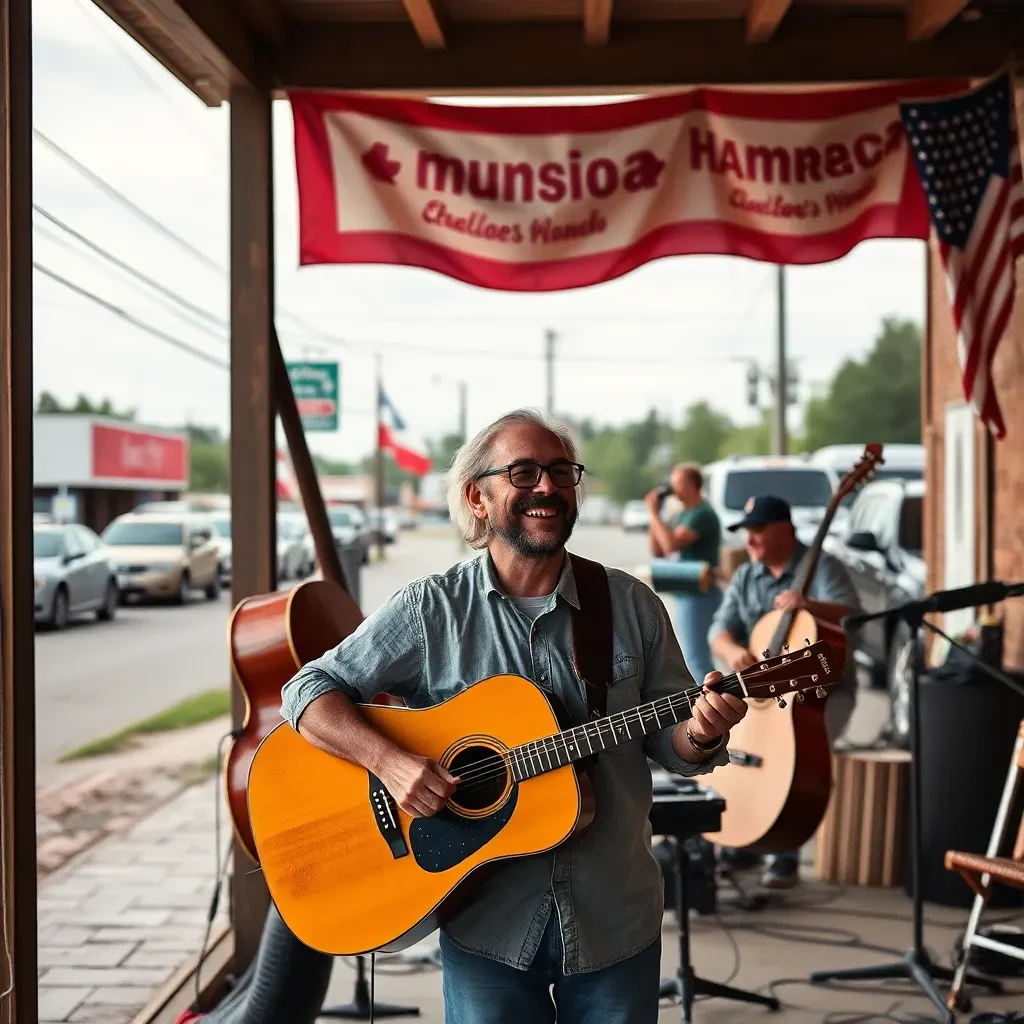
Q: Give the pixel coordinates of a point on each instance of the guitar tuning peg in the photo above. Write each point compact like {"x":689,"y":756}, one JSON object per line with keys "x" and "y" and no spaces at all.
{"x":799,"y":697}
{"x":782,"y":703}
{"x":785,"y":648}
{"x":766,"y":653}
{"x":820,"y":691}
{"x":807,"y":641}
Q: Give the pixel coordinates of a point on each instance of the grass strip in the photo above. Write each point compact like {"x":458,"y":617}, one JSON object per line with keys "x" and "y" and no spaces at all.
{"x":202,"y":707}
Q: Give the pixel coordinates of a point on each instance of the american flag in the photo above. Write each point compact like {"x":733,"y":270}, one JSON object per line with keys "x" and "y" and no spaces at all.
{"x":968,"y":158}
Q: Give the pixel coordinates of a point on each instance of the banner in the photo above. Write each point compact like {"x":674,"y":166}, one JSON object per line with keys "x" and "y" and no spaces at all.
{"x":548,"y":198}
{"x":316,"y":394}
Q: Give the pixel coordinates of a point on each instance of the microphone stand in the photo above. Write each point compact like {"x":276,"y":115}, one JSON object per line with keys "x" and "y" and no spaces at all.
{"x":916,"y":964}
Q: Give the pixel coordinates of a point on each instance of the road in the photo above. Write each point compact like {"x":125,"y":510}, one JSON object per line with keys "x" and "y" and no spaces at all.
{"x":95,"y":678}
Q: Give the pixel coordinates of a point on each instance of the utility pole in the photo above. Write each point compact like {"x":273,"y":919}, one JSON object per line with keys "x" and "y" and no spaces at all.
{"x":379,"y":466}
{"x":780,"y":442}
{"x":549,"y":355}
{"x":463,"y":429}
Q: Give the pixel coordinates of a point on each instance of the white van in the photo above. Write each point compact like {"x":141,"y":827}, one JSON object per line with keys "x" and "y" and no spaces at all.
{"x":731,"y":482}
{"x":901,"y":462}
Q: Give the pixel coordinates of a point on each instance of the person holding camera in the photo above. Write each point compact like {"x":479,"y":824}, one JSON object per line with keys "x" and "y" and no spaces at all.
{"x":694,"y":536}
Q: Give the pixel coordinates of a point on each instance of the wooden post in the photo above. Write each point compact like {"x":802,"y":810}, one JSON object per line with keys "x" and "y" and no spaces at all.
{"x":253,"y":448}
{"x":17,"y":618}
{"x":305,"y":472}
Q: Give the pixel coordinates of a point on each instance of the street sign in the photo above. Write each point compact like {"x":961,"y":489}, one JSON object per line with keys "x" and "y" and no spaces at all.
{"x":316,"y":394}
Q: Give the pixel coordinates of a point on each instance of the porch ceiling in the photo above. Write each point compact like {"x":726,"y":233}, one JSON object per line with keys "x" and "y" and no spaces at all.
{"x":453,"y":46}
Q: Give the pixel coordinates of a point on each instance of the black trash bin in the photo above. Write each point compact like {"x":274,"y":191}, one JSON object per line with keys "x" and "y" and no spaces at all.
{"x":968,"y":728}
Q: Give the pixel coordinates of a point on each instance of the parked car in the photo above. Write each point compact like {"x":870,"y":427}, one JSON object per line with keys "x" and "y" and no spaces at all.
{"x":883,"y":552}
{"x":74,"y":573}
{"x":297,"y":523}
{"x":730,"y":483}
{"x":291,"y":551}
{"x":383,"y":525}
{"x":348,"y":524}
{"x":222,"y":527}
{"x":165,"y":554}
{"x":635,"y":515}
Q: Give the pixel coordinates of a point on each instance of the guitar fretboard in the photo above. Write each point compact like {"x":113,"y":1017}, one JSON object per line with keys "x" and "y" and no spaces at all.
{"x":582,"y":741}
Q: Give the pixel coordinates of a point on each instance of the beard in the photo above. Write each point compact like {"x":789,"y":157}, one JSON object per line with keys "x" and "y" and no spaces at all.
{"x":515,"y":532}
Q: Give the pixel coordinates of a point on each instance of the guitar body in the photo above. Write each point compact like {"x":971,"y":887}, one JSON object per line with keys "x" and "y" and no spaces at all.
{"x":270,"y":637}
{"x":350,"y":872}
{"x":777,"y":803}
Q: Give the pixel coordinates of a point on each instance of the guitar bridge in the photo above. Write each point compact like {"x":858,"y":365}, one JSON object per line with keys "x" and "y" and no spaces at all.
{"x":385,"y":813}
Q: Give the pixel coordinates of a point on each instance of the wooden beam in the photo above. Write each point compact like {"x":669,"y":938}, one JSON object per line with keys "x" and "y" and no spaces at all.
{"x":597,"y":21}
{"x":253,"y":447}
{"x":264,"y":17}
{"x":204,"y":43}
{"x":763,"y":18}
{"x":17,"y":608}
{"x":426,"y":22}
{"x":927,"y":17}
{"x":640,"y":55}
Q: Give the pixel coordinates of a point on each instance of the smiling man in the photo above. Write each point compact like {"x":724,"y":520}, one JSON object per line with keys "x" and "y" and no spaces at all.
{"x":571,"y":935}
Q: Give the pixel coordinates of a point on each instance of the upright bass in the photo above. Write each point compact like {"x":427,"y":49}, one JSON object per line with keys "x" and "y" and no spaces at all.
{"x":779,"y":779}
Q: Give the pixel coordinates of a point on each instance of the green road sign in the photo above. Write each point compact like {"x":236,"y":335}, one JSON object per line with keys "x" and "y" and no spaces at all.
{"x":316,"y":393}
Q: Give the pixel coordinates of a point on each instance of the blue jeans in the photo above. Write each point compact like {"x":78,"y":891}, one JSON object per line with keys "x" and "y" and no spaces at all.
{"x":694,"y":615}
{"x":478,"y":990}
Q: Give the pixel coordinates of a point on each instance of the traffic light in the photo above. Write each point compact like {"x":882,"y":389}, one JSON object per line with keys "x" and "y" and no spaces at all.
{"x":753,"y":382}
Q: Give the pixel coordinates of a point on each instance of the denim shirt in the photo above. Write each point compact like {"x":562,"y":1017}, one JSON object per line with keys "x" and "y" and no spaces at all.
{"x":442,"y":633}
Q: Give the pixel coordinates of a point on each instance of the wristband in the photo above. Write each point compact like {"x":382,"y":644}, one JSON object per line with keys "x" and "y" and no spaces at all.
{"x":703,"y":748}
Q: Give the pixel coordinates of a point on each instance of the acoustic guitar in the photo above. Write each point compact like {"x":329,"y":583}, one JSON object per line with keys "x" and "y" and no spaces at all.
{"x":779,"y":779}
{"x":350,"y":872}
{"x":270,"y":637}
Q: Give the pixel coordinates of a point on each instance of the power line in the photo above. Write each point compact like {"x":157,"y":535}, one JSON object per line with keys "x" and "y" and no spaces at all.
{"x":129,"y":269}
{"x":133,"y":320}
{"x":121,"y":198}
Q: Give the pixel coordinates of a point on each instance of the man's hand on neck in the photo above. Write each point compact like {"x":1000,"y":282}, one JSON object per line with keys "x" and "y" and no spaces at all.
{"x":525,"y":577}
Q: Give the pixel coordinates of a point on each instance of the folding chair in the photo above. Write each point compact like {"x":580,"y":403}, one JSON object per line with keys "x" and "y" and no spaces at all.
{"x":981,"y":871}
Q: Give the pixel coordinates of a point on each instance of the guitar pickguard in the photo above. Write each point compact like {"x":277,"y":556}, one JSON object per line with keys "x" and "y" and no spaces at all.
{"x":446,"y":838}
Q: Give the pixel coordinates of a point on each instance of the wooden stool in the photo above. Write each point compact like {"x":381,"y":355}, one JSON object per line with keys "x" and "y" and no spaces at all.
{"x":861,"y":838}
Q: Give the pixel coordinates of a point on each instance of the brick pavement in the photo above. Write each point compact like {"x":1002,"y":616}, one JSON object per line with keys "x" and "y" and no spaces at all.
{"x":115,"y":923}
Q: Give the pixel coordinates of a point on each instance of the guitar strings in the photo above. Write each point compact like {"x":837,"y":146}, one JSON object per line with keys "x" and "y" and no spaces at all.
{"x":495,"y":766}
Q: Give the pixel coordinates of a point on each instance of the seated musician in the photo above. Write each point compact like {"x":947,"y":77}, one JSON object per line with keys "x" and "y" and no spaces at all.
{"x":765,"y":583}
{"x":586,"y":917}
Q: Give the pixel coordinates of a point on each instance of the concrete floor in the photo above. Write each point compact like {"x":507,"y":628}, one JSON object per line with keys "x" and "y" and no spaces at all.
{"x":818,"y":926}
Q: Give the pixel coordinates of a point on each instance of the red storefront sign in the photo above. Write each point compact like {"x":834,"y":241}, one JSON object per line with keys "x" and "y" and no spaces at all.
{"x":124,"y":454}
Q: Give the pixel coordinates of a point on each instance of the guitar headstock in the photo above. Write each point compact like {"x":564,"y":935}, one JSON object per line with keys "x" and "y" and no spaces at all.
{"x":861,"y":472}
{"x":812,"y":667}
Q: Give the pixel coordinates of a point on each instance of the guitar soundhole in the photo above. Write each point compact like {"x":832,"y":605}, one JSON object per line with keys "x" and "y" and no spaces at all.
{"x":485,"y":778}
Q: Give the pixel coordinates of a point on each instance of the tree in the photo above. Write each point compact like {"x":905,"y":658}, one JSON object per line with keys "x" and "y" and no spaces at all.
{"x":209,"y":468}
{"x":49,"y":403}
{"x":703,"y":434}
{"x":443,"y":450}
{"x":878,"y":399}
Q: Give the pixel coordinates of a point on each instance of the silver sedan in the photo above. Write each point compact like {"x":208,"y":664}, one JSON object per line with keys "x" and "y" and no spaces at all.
{"x":74,"y":574}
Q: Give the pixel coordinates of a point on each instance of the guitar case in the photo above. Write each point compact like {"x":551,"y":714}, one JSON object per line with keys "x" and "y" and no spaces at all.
{"x":286,"y":983}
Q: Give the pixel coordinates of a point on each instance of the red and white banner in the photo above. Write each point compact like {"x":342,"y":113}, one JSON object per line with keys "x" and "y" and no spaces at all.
{"x":546,"y":198}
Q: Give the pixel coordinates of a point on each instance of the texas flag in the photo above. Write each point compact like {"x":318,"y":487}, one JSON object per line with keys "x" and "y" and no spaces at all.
{"x":393,"y":438}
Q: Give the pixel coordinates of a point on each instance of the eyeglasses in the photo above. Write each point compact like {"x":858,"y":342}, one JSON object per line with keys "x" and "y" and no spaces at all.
{"x":527,"y":474}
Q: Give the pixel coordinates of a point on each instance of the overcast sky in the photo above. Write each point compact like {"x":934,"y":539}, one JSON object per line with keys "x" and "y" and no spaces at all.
{"x":666,"y":335}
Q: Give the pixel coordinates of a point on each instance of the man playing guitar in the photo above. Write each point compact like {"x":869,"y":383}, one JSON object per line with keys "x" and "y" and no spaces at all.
{"x":764,"y":583}
{"x":584,"y":918}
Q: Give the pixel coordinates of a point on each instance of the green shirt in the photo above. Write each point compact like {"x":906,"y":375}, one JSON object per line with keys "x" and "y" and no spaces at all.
{"x":704,"y":521}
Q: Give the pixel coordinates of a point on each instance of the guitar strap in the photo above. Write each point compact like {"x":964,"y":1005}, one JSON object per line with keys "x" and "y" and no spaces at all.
{"x":592,"y":632}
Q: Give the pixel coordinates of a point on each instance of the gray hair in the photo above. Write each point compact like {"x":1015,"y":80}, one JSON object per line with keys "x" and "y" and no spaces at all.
{"x":474,"y":458}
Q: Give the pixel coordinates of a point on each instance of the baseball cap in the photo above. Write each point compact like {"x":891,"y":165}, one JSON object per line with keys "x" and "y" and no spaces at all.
{"x":763,"y":510}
